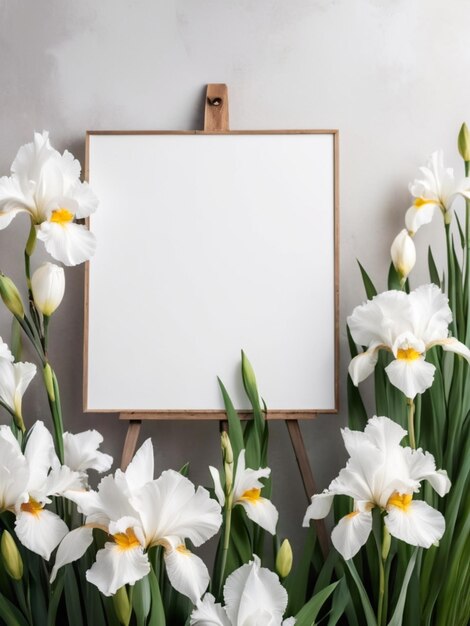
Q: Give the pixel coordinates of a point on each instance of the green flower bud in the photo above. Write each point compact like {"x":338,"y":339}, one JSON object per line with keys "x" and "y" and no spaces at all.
{"x":11,"y":296}
{"x":227,"y":451}
{"x":122,"y":606}
{"x":11,"y":556}
{"x":387,"y":540}
{"x":464,"y":142}
{"x":49,"y":382}
{"x":284,"y":559}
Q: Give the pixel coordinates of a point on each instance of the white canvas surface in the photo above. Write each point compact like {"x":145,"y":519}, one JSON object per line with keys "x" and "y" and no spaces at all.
{"x":207,"y":245}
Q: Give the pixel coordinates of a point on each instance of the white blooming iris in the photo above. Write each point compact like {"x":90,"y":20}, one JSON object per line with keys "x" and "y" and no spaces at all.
{"x":407,"y":325}
{"x":27,"y":482}
{"x":81,"y":453}
{"x":252,"y":594}
{"x":138,"y":512}
{"x":247,"y":493}
{"x":381,"y":473}
{"x":437,"y":190}
{"x":46,"y":184}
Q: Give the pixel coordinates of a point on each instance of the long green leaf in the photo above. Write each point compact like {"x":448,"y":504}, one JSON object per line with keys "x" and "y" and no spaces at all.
{"x":234,"y":424}
{"x":72,"y":598}
{"x":10,"y":613}
{"x":157,"y":612}
{"x":433,"y":273}
{"x":308,"y":614}
{"x":366,"y":605}
{"x":371,"y":291}
{"x":399,"y":608}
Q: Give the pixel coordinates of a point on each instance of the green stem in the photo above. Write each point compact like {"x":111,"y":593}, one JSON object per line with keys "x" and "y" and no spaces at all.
{"x":411,"y":425}
{"x":466,"y":289}
{"x":228,"y":524}
{"x":451,"y":279}
{"x":383,"y":548}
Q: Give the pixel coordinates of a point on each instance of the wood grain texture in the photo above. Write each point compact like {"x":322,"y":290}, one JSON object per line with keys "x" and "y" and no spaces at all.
{"x":308,"y":480}
{"x":130,"y":443}
{"x":216,"y":116}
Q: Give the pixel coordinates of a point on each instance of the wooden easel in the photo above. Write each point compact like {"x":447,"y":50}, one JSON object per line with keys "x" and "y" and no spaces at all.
{"x":216,"y":118}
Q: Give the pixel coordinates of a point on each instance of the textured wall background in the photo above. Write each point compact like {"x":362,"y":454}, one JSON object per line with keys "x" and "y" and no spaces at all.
{"x":392,"y":75}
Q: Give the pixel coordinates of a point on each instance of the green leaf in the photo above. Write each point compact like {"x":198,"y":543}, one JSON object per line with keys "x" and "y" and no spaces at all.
{"x":10,"y":614}
{"x":184,"y":471}
{"x":297,"y":583}
{"x":461,"y":233}
{"x":371,"y":291}
{"x":57,"y":588}
{"x":234,"y":424}
{"x":394,"y":280}
{"x":308,"y":614}
{"x":397,"y":616}
{"x":157,"y":612}
{"x":72,"y":598}
{"x":141,"y":600}
{"x":433,"y":273}
{"x":339,"y":602}
{"x":366,"y":605}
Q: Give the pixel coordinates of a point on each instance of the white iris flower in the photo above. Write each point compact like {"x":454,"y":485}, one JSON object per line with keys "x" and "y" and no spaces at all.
{"x":27,"y":482}
{"x":247,"y":493}
{"x":407,"y":325}
{"x":81,"y":453}
{"x":381,"y":473}
{"x":46,"y":184}
{"x":138,"y":512}
{"x":436,"y":190}
{"x":252,"y":595}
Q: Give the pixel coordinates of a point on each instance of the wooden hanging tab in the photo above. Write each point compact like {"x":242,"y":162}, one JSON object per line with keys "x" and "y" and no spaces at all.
{"x":216,"y":109}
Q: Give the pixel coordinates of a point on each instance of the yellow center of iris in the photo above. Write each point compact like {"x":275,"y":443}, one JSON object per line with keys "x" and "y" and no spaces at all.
{"x":420,"y":202}
{"x":127,"y":540}
{"x":252,"y":495}
{"x":401,"y":501}
{"x":61,"y":217}
{"x":182,"y":549}
{"x":32,"y":506}
{"x":408,"y":354}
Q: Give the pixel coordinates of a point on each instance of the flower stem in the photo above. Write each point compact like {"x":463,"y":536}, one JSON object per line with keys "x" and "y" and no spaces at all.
{"x":411,"y":426}
{"x":228,"y":524}
{"x":451,"y":279}
{"x":383,"y":551}
{"x":466,"y":290}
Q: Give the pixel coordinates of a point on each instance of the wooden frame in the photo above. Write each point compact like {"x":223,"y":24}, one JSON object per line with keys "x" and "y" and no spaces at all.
{"x":219,"y":414}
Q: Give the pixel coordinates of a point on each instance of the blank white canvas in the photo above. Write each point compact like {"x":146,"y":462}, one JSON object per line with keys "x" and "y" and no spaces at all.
{"x":208,"y":245}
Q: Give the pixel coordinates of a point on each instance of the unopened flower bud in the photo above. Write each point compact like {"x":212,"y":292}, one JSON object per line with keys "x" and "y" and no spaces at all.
{"x":49,"y":382}
{"x":386,"y":543}
{"x":11,"y":556}
{"x":48,"y":286}
{"x":122,"y":606}
{"x":464,"y":142}
{"x":11,"y":296}
{"x":284,"y":559}
{"x":227,"y":451}
{"x":227,"y":454}
{"x":403,"y":254}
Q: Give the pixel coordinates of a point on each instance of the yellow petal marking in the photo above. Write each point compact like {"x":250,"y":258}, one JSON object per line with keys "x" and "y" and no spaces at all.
{"x":352,"y":514}
{"x":32,"y":506}
{"x":61,"y":217}
{"x":420,"y":202}
{"x":127,"y":540}
{"x":182,"y":549}
{"x":401,"y":501}
{"x":409,"y":354}
{"x":252,"y":495}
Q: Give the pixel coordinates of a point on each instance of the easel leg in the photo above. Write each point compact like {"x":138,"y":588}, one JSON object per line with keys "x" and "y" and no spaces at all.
{"x":307,"y":477}
{"x":130,"y":444}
